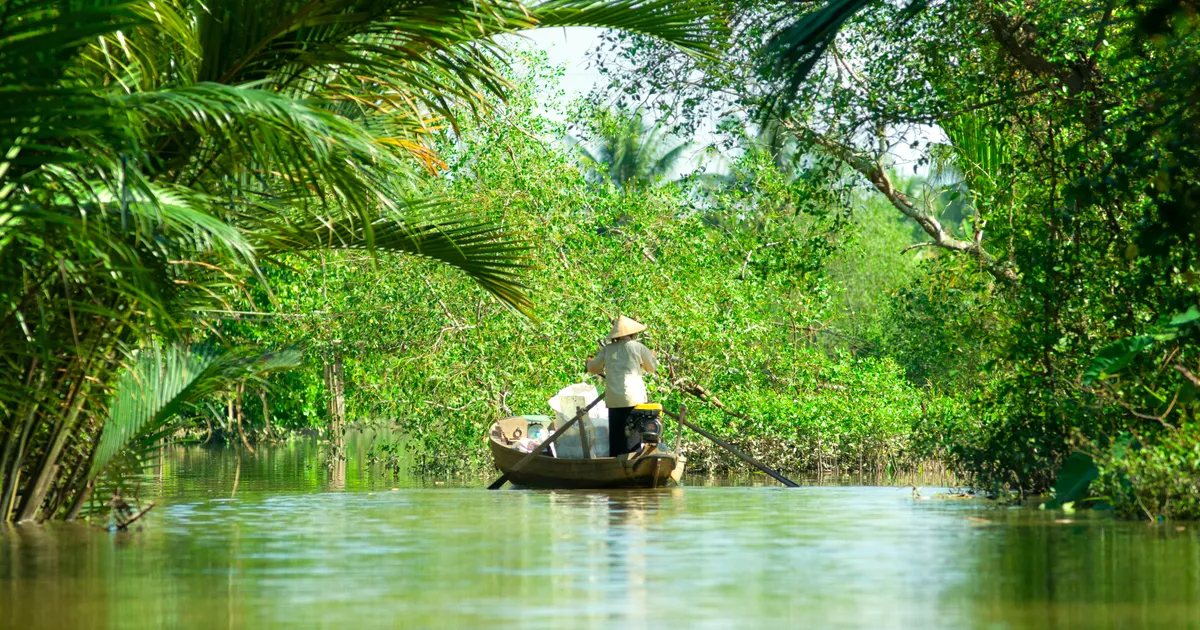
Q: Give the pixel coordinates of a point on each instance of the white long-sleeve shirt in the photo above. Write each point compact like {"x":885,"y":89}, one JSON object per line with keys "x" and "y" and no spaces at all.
{"x":623,"y":363}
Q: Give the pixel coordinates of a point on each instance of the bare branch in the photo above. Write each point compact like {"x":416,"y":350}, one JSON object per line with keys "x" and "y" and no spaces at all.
{"x":873,"y":171}
{"x":1187,"y":374}
{"x":917,"y":245}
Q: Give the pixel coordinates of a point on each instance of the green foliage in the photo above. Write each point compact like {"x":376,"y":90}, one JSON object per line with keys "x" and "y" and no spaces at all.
{"x":1156,"y":481}
{"x":1069,"y":174}
{"x":1071,"y":484}
{"x":868,"y":274}
{"x":732,"y":283}
{"x":243,"y":169}
{"x":160,"y":157}
{"x":1119,"y":354}
{"x":626,"y":151}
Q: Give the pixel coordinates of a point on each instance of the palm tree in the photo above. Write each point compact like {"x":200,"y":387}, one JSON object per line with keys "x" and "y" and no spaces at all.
{"x":157,"y":153}
{"x":629,"y":152}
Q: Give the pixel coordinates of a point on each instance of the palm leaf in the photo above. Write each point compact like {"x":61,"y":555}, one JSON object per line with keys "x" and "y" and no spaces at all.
{"x":162,"y":381}
{"x":628,"y":150}
{"x":488,"y":254}
{"x":980,"y":151}
{"x":41,"y":104}
{"x":682,"y":24}
{"x":667,"y":161}
{"x":796,"y":48}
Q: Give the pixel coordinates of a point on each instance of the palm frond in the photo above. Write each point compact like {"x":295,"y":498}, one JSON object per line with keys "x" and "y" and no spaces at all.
{"x":43,"y":103}
{"x":40,"y":40}
{"x":682,"y":24}
{"x":628,"y":150}
{"x":797,"y":47}
{"x":487,"y":253}
{"x":667,"y":161}
{"x":162,"y":380}
{"x":437,"y":54}
{"x":981,"y":152}
{"x":262,"y":149}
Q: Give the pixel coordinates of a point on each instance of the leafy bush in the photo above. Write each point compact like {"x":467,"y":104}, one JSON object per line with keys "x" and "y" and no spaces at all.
{"x":1159,"y":480}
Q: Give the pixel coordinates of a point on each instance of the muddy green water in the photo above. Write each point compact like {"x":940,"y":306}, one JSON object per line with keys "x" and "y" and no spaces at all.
{"x":291,"y":549}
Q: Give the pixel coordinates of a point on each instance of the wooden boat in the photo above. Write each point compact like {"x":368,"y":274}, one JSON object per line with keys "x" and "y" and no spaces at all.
{"x":651,"y":467}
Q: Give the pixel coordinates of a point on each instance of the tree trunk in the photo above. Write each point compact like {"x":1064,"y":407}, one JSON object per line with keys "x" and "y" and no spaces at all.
{"x":86,"y":467}
{"x":10,"y":463}
{"x":241,"y":412}
{"x":262,"y":395}
{"x":13,"y":483}
{"x":230,"y":418}
{"x":81,"y":499}
{"x":335,"y":382}
{"x":48,"y":467}
{"x":70,"y":479}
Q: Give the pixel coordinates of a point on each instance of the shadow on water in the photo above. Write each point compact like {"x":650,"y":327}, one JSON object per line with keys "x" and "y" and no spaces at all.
{"x":287,"y":549}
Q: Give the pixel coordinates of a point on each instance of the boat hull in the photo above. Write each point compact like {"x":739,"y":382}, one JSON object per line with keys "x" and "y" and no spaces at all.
{"x":653,"y":468}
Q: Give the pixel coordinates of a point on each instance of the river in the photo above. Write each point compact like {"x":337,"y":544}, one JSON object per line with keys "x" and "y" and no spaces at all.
{"x":241,"y":541}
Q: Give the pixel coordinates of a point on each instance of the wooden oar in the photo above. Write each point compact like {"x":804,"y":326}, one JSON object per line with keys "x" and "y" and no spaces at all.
{"x":680,"y":417}
{"x":497,"y":484}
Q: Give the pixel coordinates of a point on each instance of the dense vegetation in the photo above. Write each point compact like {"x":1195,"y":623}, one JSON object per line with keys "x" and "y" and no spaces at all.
{"x":161,"y":156}
{"x":733,"y":279}
{"x":1058,"y":292}
{"x":959,"y":232}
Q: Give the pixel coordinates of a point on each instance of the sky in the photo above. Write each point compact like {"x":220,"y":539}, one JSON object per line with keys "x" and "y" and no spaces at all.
{"x":570,"y":48}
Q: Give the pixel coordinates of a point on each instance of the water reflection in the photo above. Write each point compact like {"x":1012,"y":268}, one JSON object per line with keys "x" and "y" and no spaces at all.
{"x":1087,"y":573}
{"x":607,"y":544}
{"x":283,"y":550}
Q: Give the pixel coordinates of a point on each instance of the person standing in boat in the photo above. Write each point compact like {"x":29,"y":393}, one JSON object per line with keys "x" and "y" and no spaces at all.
{"x":622,"y":361}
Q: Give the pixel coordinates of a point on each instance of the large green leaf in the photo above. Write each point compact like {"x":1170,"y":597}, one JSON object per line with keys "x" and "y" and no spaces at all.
{"x":1076,"y":474}
{"x":1179,"y":320}
{"x":1116,"y":356}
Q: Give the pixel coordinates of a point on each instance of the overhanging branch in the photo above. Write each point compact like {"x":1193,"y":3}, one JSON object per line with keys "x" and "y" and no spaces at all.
{"x":873,"y":171}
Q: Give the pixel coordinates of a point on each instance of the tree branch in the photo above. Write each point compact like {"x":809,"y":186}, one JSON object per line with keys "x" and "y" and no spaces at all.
{"x":1187,"y":374}
{"x":1019,"y":39}
{"x":917,"y":245}
{"x":873,"y":171}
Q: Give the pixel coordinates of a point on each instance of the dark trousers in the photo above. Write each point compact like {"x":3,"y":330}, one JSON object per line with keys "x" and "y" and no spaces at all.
{"x":618,"y":422}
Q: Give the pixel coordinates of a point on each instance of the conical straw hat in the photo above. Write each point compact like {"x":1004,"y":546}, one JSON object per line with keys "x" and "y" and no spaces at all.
{"x":624,"y":326}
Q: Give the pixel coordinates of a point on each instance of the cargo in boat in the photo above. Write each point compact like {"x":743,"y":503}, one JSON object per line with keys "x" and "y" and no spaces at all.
{"x":650,"y":466}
